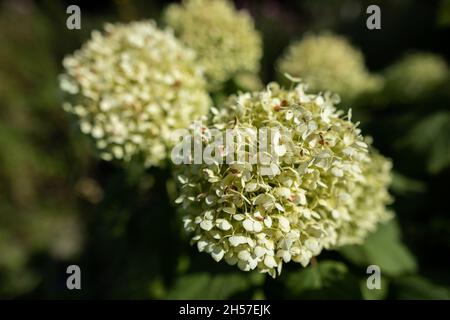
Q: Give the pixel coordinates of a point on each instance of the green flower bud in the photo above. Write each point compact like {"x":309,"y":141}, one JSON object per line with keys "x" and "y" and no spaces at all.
{"x":225,"y":39}
{"x":329,"y":62}
{"x":416,"y":76}
{"x":131,"y":86}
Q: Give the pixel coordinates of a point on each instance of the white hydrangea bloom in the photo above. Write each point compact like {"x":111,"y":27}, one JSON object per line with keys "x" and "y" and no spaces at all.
{"x":132,"y":85}
{"x":307,"y":203}
{"x":225,"y":39}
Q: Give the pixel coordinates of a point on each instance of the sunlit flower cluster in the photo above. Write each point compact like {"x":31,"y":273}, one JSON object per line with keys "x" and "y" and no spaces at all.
{"x":316,"y":195}
{"x":130,"y":86}
{"x":225,"y":39}
{"x":416,"y":76}
{"x":329,"y":62}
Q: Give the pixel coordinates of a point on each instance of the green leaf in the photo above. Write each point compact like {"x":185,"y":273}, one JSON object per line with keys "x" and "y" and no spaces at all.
{"x":383,"y":248}
{"x":416,"y":287}
{"x":431,"y":137}
{"x":443,"y":14}
{"x":402,"y":184}
{"x":375,"y":294}
{"x":206,"y":286}
{"x":317,"y":276}
{"x":355,"y":254}
{"x":157,"y":289}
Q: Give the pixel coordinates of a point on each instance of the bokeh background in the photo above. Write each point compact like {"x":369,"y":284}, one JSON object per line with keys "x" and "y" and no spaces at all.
{"x":61,"y":205}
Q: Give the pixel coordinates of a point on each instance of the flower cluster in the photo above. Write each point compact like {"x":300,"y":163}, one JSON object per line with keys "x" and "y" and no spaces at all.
{"x":329,"y":62}
{"x":225,"y":39}
{"x":131,"y":86}
{"x":369,"y":198}
{"x":416,"y":76}
{"x":317,"y":195}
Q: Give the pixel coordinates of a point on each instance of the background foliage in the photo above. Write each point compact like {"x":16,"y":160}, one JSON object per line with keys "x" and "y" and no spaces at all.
{"x":61,"y":205}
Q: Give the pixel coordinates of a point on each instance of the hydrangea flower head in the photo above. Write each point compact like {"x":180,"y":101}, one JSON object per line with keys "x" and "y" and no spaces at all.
{"x":130,"y":86}
{"x":225,"y":39}
{"x":293,"y":201}
{"x":416,"y":76}
{"x":329,"y":62}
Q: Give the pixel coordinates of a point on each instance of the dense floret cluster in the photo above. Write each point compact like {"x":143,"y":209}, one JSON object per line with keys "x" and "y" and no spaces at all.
{"x":323,"y":188}
{"x":131,"y":86}
{"x":225,"y":39}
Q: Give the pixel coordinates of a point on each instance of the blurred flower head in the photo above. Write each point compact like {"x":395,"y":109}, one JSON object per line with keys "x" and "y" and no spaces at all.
{"x":315,"y":189}
{"x":329,"y":62}
{"x":416,"y":76}
{"x":131,"y":86}
{"x":225,"y":39}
